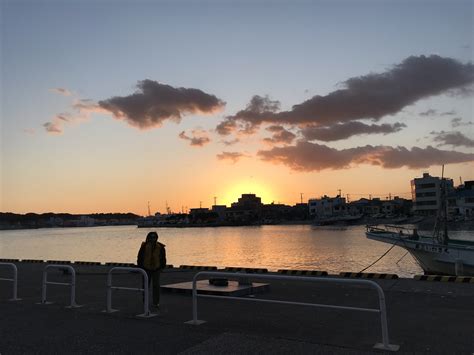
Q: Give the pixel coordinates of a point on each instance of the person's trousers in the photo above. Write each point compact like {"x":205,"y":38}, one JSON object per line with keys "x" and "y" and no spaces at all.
{"x":154,"y":284}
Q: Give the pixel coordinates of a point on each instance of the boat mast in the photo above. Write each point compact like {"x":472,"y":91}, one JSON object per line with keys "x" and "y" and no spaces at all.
{"x":440,"y":232}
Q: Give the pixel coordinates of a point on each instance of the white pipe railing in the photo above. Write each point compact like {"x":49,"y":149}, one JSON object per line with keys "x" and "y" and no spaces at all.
{"x":146,"y":308}
{"x":14,"y":281}
{"x":72,"y":284}
{"x":385,"y":345}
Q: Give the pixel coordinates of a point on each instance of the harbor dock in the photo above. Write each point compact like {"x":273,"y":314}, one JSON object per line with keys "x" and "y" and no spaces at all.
{"x":423,"y":316}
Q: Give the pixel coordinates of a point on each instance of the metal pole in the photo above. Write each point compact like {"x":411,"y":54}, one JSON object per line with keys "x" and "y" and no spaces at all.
{"x":146,"y":308}
{"x":385,"y":345}
{"x":109,"y":292}
{"x":43,"y":288}
{"x":73,"y":289}
{"x":15,"y":283}
{"x":195,"y":312}
{"x":383,"y":318}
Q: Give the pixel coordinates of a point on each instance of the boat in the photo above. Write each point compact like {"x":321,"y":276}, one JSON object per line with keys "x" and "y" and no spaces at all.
{"x":435,"y":257}
{"x":436,"y":254}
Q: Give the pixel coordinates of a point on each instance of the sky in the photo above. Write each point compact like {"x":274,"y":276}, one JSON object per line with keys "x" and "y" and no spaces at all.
{"x":109,"y":105}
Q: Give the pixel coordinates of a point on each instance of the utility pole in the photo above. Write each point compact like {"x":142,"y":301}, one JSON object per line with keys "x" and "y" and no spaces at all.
{"x":215,"y":200}
{"x":149,"y":213}
{"x":339,"y":192}
{"x":390,"y":196}
{"x":200,"y":204}
{"x":301,"y":195}
{"x":347,"y":198}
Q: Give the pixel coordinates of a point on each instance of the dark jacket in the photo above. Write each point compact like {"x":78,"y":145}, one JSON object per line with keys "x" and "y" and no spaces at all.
{"x":152,"y":256}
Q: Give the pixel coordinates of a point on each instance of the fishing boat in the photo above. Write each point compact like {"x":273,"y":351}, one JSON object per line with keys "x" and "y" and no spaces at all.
{"x":438,"y":257}
{"x":437,"y":253}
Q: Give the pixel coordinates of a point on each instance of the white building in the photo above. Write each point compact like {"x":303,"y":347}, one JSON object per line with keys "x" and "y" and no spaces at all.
{"x":327,"y":206}
{"x":426,"y":193}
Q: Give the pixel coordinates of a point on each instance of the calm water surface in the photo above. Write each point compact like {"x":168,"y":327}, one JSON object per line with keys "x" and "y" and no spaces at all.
{"x":272,"y":247}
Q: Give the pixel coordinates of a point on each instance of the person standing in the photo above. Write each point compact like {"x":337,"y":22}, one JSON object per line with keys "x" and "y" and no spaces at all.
{"x":152,"y":258}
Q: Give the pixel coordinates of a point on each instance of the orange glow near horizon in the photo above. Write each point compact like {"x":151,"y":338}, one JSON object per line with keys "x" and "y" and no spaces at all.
{"x":252,"y":187}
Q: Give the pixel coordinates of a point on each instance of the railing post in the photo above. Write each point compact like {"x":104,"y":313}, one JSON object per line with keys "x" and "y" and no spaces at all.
{"x":385,"y":345}
{"x":73,"y":289}
{"x":43,"y":286}
{"x":109,"y":294}
{"x":14,"y":281}
{"x":195,"y":312}
{"x":146,"y":302}
{"x":72,"y":284}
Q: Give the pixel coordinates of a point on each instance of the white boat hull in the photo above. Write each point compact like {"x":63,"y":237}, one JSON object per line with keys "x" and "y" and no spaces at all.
{"x":434,"y":258}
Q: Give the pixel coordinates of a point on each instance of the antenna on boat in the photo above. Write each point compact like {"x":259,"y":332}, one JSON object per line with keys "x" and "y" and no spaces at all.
{"x":442,"y":214}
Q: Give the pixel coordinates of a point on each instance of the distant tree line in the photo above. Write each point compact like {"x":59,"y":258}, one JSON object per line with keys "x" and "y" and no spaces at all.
{"x":10,"y":220}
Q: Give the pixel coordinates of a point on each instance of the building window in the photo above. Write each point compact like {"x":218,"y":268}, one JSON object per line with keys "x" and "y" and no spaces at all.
{"x":426,"y":186}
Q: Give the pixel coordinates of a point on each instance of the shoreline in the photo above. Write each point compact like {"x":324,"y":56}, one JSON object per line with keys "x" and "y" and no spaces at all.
{"x":426,"y":224}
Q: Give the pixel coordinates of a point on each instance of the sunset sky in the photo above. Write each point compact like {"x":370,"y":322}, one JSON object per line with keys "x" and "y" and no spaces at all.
{"x":107,"y":105}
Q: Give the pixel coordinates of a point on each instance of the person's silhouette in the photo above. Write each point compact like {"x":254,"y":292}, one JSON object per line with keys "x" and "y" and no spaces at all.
{"x":152,"y":258}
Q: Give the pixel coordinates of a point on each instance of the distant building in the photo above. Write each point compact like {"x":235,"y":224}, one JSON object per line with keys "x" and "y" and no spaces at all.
{"x":426,"y":193}
{"x":247,"y":209}
{"x":202,"y":215}
{"x":327,"y":206}
{"x":461,"y":201}
{"x":219,"y":210}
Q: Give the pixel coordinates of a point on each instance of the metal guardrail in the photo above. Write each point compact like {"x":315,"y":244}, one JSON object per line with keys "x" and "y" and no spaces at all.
{"x":146,"y":308}
{"x":14,"y":280}
{"x":71,"y":270}
{"x":385,"y":345}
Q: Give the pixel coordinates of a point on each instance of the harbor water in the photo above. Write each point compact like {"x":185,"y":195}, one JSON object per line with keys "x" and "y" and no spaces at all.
{"x":303,"y":247}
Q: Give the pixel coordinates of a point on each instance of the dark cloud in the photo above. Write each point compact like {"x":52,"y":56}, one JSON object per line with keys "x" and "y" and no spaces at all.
{"x":234,"y":157}
{"x":63,"y":117}
{"x":429,"y":112}
{"x":53,"y":127}
{"x":345,"y":130}
{"x":458,"y":122}
{"x":243,"y":121}
{"x":198,"y":137}
{"x":371,"y":96}
{"x":153,"y":103}
{"x":226,"y":127}
{"x":306,"y":156}
{"x":280,"y":135}
{"x":456,"y":139}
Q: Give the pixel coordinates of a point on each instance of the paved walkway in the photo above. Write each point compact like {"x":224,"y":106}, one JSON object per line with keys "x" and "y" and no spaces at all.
{"x":423,"y":317}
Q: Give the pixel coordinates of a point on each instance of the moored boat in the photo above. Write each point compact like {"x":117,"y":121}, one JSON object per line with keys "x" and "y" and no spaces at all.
{"x":436,"y":254}
{"x":453,"y":257}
